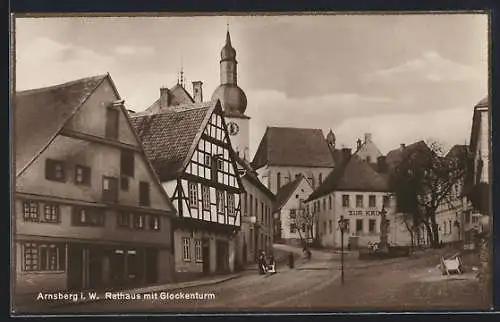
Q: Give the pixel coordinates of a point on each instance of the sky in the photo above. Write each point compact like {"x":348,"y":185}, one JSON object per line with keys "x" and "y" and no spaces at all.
{"x":401,"y":78}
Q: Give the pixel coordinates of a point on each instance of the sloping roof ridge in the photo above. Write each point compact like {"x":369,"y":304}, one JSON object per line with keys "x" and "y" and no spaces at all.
{"x":289,"y":188}
{"x":194,"y":144}
{"x":58,"y":86}
{"x":70,"y":116}
{"x":295,"y":128}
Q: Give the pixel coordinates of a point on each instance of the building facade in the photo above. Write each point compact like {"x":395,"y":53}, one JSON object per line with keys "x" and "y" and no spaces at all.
{"x":289,"y":207}
{"x":285,"y":153}
{"x":190,"y":150}
{"x":89,"y":211}
{"x":257,"y":226}
{"x":477,"y":188}
{"x":450,"y":214}
{"x":357,"y":192}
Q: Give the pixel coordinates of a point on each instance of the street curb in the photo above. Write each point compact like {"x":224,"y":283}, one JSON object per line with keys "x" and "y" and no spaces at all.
{"x":141,"y":291}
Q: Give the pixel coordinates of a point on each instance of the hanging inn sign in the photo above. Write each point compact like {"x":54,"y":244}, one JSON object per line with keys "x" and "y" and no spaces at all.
{"x":367,"y":213}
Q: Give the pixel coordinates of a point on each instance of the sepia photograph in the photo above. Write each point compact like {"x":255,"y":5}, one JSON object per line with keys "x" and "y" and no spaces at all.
{"x":291,"y":162}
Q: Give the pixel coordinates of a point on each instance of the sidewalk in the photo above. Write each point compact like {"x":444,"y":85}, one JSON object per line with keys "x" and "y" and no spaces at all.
{"x":29,"y":303}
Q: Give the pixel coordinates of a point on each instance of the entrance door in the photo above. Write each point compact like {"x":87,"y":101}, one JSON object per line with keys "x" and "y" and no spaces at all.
{"x":222,"y":256}
{"x":75,"y":267}
{"x":205,"y":253}
{"x":95,"y":267}
{"x":151,"y":266}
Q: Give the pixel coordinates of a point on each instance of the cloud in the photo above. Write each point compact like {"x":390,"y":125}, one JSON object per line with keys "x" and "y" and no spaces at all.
{"x":139,"y":51}
{"x":44,"y":62}
{"x":429,"y":67}
{"x":350,"y":115}
{"x":389,"y":131}
{"x":274,"y":108}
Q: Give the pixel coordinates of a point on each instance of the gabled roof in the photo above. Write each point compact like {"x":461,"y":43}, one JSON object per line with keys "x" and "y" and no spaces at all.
{"x":396,"y":156}
{"x":39,"y":115}
{"x":178,"y":95}
{"x":285,"y":146}
{"x":169,"y":136}
{"x":353,"y":174}
{"x":251,"y":176}
{"x":286,"y":191}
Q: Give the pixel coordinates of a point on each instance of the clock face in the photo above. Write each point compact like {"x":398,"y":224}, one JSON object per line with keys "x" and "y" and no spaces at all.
{"x":233,"y":128}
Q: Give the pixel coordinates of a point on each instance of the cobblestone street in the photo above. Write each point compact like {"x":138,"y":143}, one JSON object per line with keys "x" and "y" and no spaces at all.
{"x":401,"y":284}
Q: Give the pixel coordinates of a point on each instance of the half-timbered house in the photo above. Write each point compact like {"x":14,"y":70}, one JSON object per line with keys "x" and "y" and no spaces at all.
{"x":88,"y":211}
{"x":190,"y":149}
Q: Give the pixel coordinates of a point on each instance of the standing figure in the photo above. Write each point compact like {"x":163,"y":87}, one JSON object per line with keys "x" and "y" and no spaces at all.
{"x":262,"y":262}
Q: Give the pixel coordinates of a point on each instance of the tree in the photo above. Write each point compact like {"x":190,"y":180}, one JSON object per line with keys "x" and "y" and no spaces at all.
{"x":423,"y":181}
{"x":306,"y":223}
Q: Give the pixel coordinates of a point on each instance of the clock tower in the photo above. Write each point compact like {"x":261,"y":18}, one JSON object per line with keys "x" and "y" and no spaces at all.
{"x":233,"y":101}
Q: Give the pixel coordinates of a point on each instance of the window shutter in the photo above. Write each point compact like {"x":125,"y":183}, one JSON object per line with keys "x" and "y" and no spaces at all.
{"x":144,"y":194}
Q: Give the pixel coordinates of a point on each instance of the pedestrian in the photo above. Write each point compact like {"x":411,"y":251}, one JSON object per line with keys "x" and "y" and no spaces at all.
{"x":262,"y":262}
{"x":271,"y":265}
{"x":291,"y":260}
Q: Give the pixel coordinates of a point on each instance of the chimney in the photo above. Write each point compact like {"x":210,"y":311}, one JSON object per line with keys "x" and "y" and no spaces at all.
{"x":164,"y":98}
{"x":368,"y":137}
{"x":381,"y":164}
{"x":402,"y":146}
{"x":198,"y":91}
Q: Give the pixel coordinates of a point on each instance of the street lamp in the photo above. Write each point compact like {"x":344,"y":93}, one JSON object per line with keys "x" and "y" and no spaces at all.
{"x":342,"y":226}
{"x":253,"y":221}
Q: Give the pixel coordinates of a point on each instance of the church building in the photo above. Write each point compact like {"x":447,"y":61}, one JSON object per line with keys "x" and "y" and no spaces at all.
{"x":284,"y":153}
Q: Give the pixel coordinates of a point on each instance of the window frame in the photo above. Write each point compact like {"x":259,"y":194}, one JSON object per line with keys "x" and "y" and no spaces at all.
{"x":110,"y":194}
{"x":198,"y":255}
{"x":41,"y":256}
{"x":370,"y":199}
{"x":205,"y":197}
{"x":127,"y":163}
{"x":139,"y":221}
{"x":123,"y":223}
{"x":55,"y":216}
{"x":193,"y":195}
{"x":346,"y":200}
{"x":220,"y":196}
{"x":94,"y":217}
{"x":112,"y":131}
{"x":186,"y":249}
{"x":374,"y":222}
{"x":359,"y":201}
{"x":50,"y":170}
{"x":359,"y":228}
{"x":31,"y":210}
{"x":154,"y":219}
{"x":85,"y":175}
{"x":231,"y":204}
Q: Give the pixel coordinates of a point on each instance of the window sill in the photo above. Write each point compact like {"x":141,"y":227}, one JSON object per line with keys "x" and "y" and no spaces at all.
{"x":199,"y":261}
{"x":187,"y":260}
